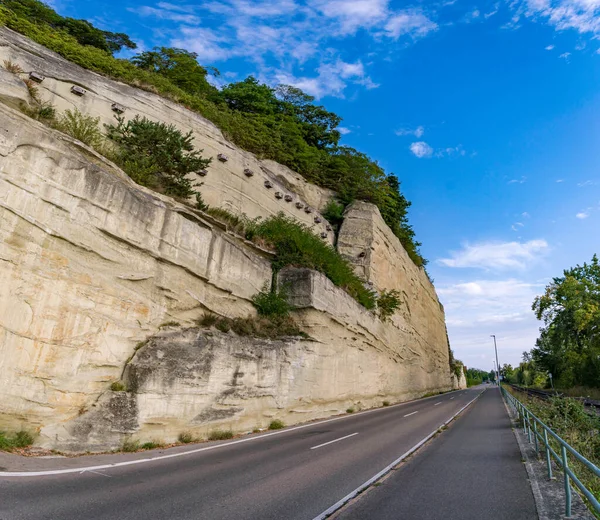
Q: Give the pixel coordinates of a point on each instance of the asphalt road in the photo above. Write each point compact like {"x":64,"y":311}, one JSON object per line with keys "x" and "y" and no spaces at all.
{"x":296,"y":474}
{"x":472,"y":471}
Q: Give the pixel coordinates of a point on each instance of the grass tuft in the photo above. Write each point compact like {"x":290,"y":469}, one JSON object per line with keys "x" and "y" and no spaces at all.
{"x":130,"y":446}
{"x":220,"y":435}
{"x":118,"y":386}
{"x":386,"y":403}
{"x":186,"y":437}
{"x":350,"y":410}
{"x":276,"y":424}
{"x":20,"y":439}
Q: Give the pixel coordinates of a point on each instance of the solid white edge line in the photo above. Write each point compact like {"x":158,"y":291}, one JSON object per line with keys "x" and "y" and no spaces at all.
{"x":437,"y":403}
{"x":389,"y":467}
{"x":198,"y":450}
{"x":412,"y":413}
{"x":336,"y":440}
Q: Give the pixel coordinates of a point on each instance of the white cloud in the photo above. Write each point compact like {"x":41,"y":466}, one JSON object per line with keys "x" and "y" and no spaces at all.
{"x":353,"y":14}
{"x":525,"y":215}
{"x":166,"y":13}
{"x":411,"y":22}
{"x":582,"y":215}
{"x":560,"y":180}
{"x":522,"y":180}
{"x":549,"y":47}
{"x":421,"y":149}
{"x":343,"y":130}
{"x":417,"y":132}
{"x":477,"y":308}
{"x":497,"y":255}
{"x":565,"y":55}
{"x":580,"y":15}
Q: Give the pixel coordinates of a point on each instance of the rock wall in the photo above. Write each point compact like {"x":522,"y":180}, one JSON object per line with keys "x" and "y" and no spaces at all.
{"x":103,"y":280}
{"x":225,"y":185}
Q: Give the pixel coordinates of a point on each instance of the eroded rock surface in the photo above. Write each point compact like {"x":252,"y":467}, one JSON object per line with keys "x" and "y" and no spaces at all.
{"x":93,"y":267}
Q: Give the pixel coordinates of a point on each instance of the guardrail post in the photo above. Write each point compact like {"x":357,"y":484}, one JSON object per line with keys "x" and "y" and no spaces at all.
{"x":535,"y":437}
{"x":548,"y":460}
{"x":567,"y":481}
{"x":528,"y":428}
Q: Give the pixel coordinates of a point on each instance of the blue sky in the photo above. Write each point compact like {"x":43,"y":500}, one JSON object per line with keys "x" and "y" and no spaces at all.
{"x":487,"y":112}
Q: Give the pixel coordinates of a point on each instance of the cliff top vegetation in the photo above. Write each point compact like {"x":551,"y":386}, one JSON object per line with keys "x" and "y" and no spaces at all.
{"x":280,"y":123}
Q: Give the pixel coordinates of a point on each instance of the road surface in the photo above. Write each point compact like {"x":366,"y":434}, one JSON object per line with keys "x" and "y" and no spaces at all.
{"x":296,"y":474}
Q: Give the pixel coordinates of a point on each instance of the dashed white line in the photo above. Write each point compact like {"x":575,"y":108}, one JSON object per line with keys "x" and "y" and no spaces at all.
{"x":437,"y":403}
{"x":451,"y":398}
{"x":335,"y":440}
{"x":412,"y":413}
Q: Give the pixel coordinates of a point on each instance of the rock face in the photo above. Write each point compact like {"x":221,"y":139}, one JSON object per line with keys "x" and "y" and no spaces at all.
{"x":102,"y":280}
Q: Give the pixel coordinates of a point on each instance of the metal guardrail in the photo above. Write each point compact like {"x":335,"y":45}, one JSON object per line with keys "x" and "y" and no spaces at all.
{"x":532,"y":425}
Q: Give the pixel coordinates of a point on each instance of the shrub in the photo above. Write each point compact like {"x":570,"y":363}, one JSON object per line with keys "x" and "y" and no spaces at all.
{"x":295,"y":244}
{"x":220,"y":435}
{"x":208,"y":320}
{"x":387,"y":303}
{"x":185,"y":437}
{"x":271,"y":303}
{"x":44,"y":112}
{"x":334,"y":213}
{"x":118,"y":386}
{"x":386,"y":403}
{"x":12,"y":67}
{"x":350,"y":410}
{"x":129,"y":446}
{"x":233,"y":222}
{"x":223,"y":325}
{"x":81,"y":127}
{"x":276,"y":424}
{"x":151,"y":445}
{"x":33,"y":90}
{"x":157,"y":155}
{"x":21,"y":439}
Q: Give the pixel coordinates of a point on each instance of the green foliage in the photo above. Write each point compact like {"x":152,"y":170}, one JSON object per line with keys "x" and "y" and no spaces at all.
{"x":276,"y":424}
{"x":118,"y":386}
{"x":568,"y":418}
{"x":157,"y":155}
{"x":281,"y":124}
{"x":200,"y":204}
{"x":83,"y":128}
{"x":170,"y":323}
{"x":272,"y":327}
{"x":387,"y":303}
{"x":456,"y":366}
{"x":350,"y":410}
{"x":334,"y":214}
{"x":130,"y":446}
{"x":476,"y":376}
{"x":82,"y":30}
{"x":186,"y":437}
{"x":20,"y":439}
{"x":386,"y":403}
{"x":272,"y":304}
{"x":569,"y":343}
{"x":178,"y":66}
{"x":151,"y":445}
{"x":295,"y":244}
{"x":208,"y":320}
{"x":223,"y":324}
{"x":44,"y":112}
{"x":220,"y":435}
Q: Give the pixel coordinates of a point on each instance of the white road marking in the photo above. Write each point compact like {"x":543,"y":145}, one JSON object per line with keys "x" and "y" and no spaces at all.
{"x":412,"y":413}
{"x":196,"y":450}
{"x":451,"y":398}
{"x":336,"y":440}
{"x":437,"y":403}
{"x":388,"y":468}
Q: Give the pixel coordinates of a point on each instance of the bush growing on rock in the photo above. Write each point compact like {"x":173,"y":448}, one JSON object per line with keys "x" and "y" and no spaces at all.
{"x":295,"y":244}
{"x":157,"y":155}
{"x":276,"y":424}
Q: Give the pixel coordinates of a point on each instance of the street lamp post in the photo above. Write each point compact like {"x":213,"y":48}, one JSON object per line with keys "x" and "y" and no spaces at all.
{"x":497,"y":364}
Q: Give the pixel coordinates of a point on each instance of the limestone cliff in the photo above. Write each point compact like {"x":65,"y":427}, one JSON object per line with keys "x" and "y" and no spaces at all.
{"x":91,"y":266}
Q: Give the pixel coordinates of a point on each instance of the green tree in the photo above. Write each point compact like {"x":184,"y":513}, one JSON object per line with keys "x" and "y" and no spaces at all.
{"x":569,"y":342}
{"x":178,"y":65}
{"x":157,"y":155}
